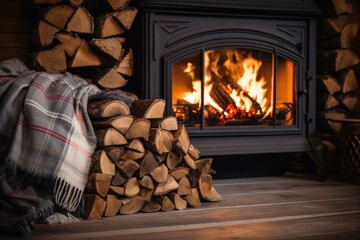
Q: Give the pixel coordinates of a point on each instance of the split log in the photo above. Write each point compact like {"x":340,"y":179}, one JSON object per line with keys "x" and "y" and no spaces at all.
{"x":169,"y":123}
{"x":113,"y":205}
{"x":108,"y":26}
{"x":351,"y":101}
{"x":120,"y":123}
{"x":114,"y":152}
{"x":214,"y":196}
{"x":131,"y":187}
{"x":94,"y":206}
{"x":184,"y":186}
{"x":117,"y":190}
{"x":80,"y":22}
{"x":101,"y":163}
{"x":148,"y":108}
{"x":109,"y":137}
{"x":118,"y":179}
{"x":172,"y":160}
{"x":59,"y":15}
{"x":167,"y":186}
{"x":205,"y":185}
{"x":182,"y":136}
{"x":179,"y":172}
{"x":336,"y":60}
{"x":180,"y":204}
{"x":125,"y":66}
{"x":85,"y":56}
{"x":151,"y":206}
{"x":114,"y":5}
{"x":107,"y":108}
{"x":69,"y":42}
{"x":52,"y":61}
{"x":128,"y":167}
{"x":135,"y":150}
{"x":349,"y":79}
{"x":109,"y":78}
{"x":166,"y":204}
{"x":146,"y":182}
{"x":75,"y":3}
{"x":146,"y":193}
{"x":193,"y":199}
{"x":204,"y":166}
{"x":131,"y":205}
{"x":189,"y":161}
{"x":44,"y":34}
{"x":331,"y":27}
{"x":160,"y":141}
{"x":111,"y":47}
{"x":329,"y":84}
{"x":160,"y":173}
{"x":148,"y":164}
{"x":98,"y":183}
{"x":139,"y":128}
{"x":193,"y":152}
{"x":126,"y":17}
{"x":348,"y":39}
{"x":325,"y":101}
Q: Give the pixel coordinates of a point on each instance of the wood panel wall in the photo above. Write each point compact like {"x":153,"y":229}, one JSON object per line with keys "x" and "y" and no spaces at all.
{"x":16,"y":26}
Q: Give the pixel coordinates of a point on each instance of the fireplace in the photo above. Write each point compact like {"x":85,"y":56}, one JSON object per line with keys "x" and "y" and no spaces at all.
{"x":239,"y":74}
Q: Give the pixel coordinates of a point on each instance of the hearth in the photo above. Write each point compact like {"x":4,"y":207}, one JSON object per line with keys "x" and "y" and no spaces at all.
{"x":239,"y":74}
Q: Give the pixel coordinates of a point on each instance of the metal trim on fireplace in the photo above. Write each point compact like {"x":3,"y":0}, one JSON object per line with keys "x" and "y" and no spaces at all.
{"x":170,"y":30}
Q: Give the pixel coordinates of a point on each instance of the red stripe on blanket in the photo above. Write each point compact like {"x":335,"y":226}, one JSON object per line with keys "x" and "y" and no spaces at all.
{"x":56,"y":135}
{"x":41,"y":88}
{"x":3,"y":80}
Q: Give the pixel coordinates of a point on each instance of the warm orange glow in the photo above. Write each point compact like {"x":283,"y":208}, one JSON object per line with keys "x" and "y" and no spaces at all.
{"x":245,"y":88}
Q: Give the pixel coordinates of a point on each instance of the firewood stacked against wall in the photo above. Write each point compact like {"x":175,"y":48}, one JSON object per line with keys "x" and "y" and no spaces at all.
{"x":85,"y":37}
{"x":338,"y":66}
{"x":144,"y":162}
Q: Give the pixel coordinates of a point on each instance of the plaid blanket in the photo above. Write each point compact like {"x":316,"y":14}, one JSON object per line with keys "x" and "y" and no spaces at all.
{"x":45,"y":131}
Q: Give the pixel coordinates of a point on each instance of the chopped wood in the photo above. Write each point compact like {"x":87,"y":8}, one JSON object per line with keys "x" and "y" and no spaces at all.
{"x":194,"y":176}
{"x":109,"y":78}
{"x":120,"y":123}
{"x":160,"y":141}
{"x":139,"y":128}
{"x":81,"y":22}
{"x":126,"y":16}
{"x":337,"y":114}
{"x":146,"y":182}
{"x":125,"y":66}
{"x":349,"y":80}
{"x":69,"y":42}
{"x":336,"y":60}
{"x":111,"y":47}
{"x":146,"y":193}
{"x":114,"y":152}
{"x":160,"y":173}
{"x":117,"y":190}
{"x":351,"y":101}
{"x":178,"y":149}
{"x":214,"y":196}
{"x":118,"y":179}
{"x":94,"y":206}
{"x":166,"y":204}
{"x":59,"y":15}
{"x":189,"y":161}
{"x":109,"y":137}
{"x":184,"y":186}
{"x":148,"y":164}
{"x":135,"y":150}
{"x":148,"y":108}
{"x":193,"y":199}
{"x":107,"y":108}
{"x":172,"y":160}
{"x":169,"y":123}
{"x":167,"y":186}
{"x":331,"y":27}
{"x":128,"y":167}
{"x":179,"y":172}
{"x":131,"y":187}
{"x":160,"y":157}
{"x":98,"y":183}
{"x":151,"y":206}
{"x":113,"y":205}
{"x":326,"y":101}
{"x":182,"y":136}
{"x":328,"y":84}
{"x":44,"y":34}
{"x":204,"y":165}
{"x":75,"y":3}
{"x":85,"y":56}
{"x":108,"y":26}
{"x":180,"y":204}
{"x":205,"y":185}
{"x":52,"y":61}
{"x":131,"y":205}
{"x":348,"y":39}
{"x":193,"y":152}
{"x":101,"y":163}
{"x":117,"y":4}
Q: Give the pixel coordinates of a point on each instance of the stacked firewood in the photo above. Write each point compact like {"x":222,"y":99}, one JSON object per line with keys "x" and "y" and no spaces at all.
{"x":338,"y":67}
{"x":85,"y":37}
{"x":144,"y":162}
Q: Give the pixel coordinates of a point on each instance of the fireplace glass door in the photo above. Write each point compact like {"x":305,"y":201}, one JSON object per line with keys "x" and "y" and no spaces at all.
{"x":234,"y":87}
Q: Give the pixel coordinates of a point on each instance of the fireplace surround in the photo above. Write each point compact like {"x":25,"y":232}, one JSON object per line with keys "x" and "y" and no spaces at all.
{"x":175,"y":36}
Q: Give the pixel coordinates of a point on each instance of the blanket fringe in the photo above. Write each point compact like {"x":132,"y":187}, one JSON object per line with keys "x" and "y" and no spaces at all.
{"x":67,"y":196}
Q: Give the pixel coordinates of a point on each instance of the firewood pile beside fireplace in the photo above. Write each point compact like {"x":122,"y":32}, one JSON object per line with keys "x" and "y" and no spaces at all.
{"x":338,"y":95}
{"x":143,"y":160}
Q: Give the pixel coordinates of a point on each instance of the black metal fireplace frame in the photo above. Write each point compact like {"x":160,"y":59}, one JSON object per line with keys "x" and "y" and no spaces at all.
{"x":288,"y":28}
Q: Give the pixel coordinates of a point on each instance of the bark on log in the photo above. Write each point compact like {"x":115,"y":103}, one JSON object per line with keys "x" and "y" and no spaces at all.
{"x":148,"y":108}
{"x":131,"y":205}
{"x":120,"y":123}
{"x":109,"y":137}
{"x":107,"y":108}
{"x":52,"y":61}
{"x":94,"y":206}
{"x":98,"y":183}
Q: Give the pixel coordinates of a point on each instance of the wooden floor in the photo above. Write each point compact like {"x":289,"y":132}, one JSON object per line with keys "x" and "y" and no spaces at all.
{"x":286,"y":207}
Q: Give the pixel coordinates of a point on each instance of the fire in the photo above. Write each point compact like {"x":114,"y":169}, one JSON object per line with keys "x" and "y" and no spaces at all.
{"x":232,"y":85}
